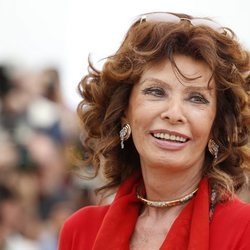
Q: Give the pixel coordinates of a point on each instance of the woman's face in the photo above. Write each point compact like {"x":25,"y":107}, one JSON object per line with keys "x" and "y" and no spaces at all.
{"x":171,"y":117}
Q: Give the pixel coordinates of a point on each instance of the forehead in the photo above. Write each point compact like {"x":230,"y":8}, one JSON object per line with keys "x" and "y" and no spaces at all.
{"x":185,"y":69}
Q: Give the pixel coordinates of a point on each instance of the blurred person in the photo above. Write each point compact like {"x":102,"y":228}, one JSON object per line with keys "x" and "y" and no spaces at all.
{"x":5,"y":83}
{"x":26,"y":107}
{"x":9,"y":214}
{"x":58,"y":213}
{"x":10,"y":159}
{"x":23,"y":226}
{"x":52,"y":168}
{"x":31,"y":81}
{"x":52,"y":82}
{"x":9,"y":154}
{"x":28,"y":187}
{"x":53,"y":92}
{"x":34,"y":131}
{"x":25,"y":110}
{"x":45,"y":88}
{"x":20,"y":226}
{"x":32,"y":163}
{"x":167,"y":122}
{"x":13,"y":99}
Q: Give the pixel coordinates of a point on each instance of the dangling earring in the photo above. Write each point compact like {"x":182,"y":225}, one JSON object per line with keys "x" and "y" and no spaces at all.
{"x":213,"y":148}
{"x":124,"y":134}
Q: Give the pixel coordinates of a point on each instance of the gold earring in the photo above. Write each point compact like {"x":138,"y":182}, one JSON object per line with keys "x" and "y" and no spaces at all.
{"x":213,"y":148}
{"x":125,"y":134}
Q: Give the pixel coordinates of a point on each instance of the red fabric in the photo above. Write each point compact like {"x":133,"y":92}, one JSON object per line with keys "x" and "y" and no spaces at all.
{"x":110,"y":227}
{"x":230,"y":227}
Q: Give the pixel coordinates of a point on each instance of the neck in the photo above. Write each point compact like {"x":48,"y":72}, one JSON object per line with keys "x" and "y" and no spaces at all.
{"x":169,"y":185}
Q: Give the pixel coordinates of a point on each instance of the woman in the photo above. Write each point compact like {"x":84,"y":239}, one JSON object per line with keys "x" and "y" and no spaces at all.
{"x":167,"y":121}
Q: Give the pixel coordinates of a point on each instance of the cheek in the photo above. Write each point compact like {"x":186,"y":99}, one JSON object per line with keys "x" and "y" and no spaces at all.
{"x":202,"y":126}
{"x":141,"y":118}
{"x":139,"y":123}
{"x":137,"y":113}
{"x":137,"y":127}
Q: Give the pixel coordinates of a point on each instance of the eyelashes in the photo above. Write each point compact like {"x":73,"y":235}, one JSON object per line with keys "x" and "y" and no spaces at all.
{"x":194,"y":97}
{"x":154,"y":91}
{"x":198,"y":98}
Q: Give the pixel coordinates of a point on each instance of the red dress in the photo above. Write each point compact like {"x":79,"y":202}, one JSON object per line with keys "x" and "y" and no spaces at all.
{"x":110,"y":227}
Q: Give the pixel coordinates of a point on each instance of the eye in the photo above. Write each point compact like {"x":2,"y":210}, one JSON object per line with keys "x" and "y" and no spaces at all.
{"x":198,"y":98}
{"x":155,"y":91}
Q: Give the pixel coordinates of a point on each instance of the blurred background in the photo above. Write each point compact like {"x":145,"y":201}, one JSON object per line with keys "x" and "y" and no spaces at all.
{"x":44,"y":47}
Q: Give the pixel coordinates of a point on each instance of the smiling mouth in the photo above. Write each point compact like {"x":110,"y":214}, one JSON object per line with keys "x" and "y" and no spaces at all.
{"x":170,"y":137}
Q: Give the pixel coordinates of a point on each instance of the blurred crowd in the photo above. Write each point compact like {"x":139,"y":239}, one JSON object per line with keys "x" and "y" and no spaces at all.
{"x":37,"y":188}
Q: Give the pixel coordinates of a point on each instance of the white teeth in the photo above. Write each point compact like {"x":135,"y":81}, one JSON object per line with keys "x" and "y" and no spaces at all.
{"x":169,"y":137}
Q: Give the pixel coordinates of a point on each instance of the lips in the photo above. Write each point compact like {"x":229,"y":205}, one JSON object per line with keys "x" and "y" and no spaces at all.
{"x":170,"y":137}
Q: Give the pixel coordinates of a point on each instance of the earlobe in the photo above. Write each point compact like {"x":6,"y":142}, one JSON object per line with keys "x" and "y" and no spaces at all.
{"x":124,"y":119}
{"x":125,"y":114}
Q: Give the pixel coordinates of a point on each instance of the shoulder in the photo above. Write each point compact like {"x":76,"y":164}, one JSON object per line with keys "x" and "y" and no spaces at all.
{"x":86,"y":214}
{"x":233,"y":210}
{"x":81,"y":227}
{"x":231,"y":225}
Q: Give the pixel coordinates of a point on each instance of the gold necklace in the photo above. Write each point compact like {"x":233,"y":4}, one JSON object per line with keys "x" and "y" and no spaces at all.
{"x":167,"y":203}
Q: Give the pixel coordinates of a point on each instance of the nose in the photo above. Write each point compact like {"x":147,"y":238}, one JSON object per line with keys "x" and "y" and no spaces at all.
{"x":174,"y":112}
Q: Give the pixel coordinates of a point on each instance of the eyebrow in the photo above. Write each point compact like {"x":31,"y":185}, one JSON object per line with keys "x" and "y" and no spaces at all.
{"x":189,"y":88}
{"x":153,"y":80}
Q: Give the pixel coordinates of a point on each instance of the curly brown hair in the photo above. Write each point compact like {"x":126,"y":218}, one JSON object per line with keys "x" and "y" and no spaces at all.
{"x":105,"y":94}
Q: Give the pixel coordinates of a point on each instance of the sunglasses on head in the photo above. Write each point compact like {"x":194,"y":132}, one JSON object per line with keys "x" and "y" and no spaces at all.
{"x":172,"y":18}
